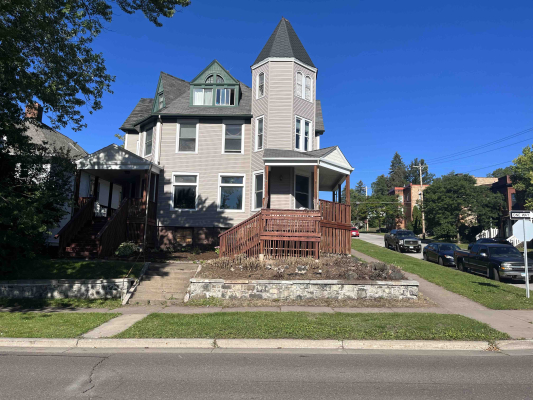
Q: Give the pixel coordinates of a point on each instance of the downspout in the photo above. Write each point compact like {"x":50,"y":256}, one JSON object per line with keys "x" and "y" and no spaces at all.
{"x":147,"y":204}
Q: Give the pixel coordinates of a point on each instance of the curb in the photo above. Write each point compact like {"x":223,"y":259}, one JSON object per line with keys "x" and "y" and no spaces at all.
{"x":263,"y":344}
{"x":515,"y":344}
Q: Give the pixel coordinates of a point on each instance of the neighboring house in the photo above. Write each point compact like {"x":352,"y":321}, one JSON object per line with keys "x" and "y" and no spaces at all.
{"x":408,"y":196}
{"x":42,"y":134}
{"x":204,"y":155}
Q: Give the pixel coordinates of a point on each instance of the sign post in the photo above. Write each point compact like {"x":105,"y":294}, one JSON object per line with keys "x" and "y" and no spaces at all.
{"x":524,"y":215}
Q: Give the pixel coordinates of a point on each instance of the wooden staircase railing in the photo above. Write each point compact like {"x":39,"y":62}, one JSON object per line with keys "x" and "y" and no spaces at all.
{"x":114,"y":232}
{"x":76,"y":223}
{"x":243,"y":238}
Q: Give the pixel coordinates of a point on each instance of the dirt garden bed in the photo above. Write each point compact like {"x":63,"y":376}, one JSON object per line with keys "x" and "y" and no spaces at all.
{"x":327,"y":268}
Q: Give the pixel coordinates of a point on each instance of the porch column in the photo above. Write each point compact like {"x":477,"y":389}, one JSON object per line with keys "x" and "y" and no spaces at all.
{"x":145,"y":192}
{"x":333,"y":195}
{"x":347,"y":189}
{"x":315,"y":187}
{"x":110,"y":199}
{"x":77,"y":190}
{"x":266,"y":194}
{"x":95,"y":190}
{"x":339,"y":192}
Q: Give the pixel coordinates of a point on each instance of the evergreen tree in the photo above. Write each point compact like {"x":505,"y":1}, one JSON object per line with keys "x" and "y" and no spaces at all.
{"x":360,"y":188}
{"x":397,"y":172}
{"x":413,"y":174}
{"x":380,"y":186}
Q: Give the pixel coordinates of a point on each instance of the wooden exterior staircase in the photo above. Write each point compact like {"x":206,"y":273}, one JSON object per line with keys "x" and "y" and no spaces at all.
{"x":291,"y":233}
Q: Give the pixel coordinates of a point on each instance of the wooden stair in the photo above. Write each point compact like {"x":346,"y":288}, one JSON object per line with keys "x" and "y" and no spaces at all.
{"x":84,"y":244}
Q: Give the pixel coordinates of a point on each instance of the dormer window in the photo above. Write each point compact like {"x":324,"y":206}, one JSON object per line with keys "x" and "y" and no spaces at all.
{"x":209,"y":79}
{"x":214,"y":87}
{"x":203,"y":97}
{"x":225,"y":97}
{"x":160,"y":100}
{"x":220,"y":79}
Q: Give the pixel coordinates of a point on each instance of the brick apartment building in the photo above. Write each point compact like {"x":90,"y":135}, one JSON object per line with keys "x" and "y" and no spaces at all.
{"x":408,"y":196}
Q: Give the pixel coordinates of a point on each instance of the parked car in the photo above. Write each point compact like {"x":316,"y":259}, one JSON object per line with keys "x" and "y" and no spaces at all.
{"x":355,"y":232}
{"x":494,"y":260}
{"x":441,"y":253}
{"x":488,"y":240}
{"x":403,"y":240}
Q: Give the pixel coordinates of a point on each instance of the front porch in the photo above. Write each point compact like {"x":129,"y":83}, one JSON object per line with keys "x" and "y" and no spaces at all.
{"x":116,"y":194}
{"x":292,"y":220}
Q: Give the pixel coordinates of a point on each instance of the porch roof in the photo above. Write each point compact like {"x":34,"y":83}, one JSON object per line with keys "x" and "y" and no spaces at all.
{"x":114,"y":157}
{"x":329,"y":157}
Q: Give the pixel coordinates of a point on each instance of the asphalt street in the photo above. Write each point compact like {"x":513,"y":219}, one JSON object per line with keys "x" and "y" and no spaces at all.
{"x":266,"y":375}
{"x":379,"y":240}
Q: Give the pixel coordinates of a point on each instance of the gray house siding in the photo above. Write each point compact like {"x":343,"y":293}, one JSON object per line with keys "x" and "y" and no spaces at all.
{"x":281,"y":187}
{"x":303,"y":108}
{"x":280,"y":105}
{"x":260,"y":108}
{"x":131,"y":142}
{"x":208,"y":163}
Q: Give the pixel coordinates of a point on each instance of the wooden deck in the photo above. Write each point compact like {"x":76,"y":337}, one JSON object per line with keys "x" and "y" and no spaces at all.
{"x":291,"y":233}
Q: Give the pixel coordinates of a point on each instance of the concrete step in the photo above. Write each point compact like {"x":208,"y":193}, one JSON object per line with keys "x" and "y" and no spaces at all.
{"x":156,"y":302}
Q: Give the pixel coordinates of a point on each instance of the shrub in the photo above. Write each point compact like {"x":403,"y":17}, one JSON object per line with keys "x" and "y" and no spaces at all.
{"x":126,"y":249}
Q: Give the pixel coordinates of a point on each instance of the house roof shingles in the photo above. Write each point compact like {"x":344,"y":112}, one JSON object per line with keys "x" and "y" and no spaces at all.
{"x":142,"y":110}
{"x":284,"y":43}
{"x":277,"y":153}
{"x":319,"y":119}
{"x":41,"y":133}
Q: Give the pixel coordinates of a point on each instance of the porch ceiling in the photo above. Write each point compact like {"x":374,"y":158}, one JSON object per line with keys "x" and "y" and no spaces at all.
{"x":115,"y":158}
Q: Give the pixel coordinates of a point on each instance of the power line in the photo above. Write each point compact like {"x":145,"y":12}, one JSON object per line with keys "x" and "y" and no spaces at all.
{"x":488,"y":166}
{"x":433,"y":160}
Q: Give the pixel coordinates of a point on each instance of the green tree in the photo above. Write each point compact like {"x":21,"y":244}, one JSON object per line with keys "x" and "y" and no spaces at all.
{"x":380,"y":186}
{"x":416,"y":224}
{"x":46,"y":57}
{"x":397,"y":172}
{"x":455,"y":206}
{"x":360,"y":188}
{"x":522,"y":177}
{"x":381,"y":210}
{"x":499,"y":172}
{"x":121,"y":138}
{"x":413,"y":174}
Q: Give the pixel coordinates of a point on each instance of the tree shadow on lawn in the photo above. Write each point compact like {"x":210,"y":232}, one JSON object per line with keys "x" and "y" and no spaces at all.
{"x":55,"y":305}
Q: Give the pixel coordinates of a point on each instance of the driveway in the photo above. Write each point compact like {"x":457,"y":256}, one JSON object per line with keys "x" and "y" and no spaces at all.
{"x":379,"y":241}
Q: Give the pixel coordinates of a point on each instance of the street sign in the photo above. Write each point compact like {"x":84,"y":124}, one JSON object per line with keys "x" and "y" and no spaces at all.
{"x":523,"y":230}
{"x":522,"y":214}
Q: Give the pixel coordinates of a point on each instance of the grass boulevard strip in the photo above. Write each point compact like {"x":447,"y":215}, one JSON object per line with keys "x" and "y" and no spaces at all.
{"x":491,"y":294}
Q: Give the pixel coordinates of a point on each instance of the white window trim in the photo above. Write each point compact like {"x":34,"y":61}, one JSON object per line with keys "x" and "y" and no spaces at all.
{"x":256,"y":132}
{"x":243,"y":185}
{"x":144,"y":142}
{"x":172,"y":184}
{"x":302,"y":134}
{"x":229,"y":122}
{"x":304,"y":96}
{"x":178,"y":125}
{"x":257,"y":96}
{"x":138,"y":150}
{"x":309,"y":189}
{"x":254,"y":173}
{"x":125,"y":141}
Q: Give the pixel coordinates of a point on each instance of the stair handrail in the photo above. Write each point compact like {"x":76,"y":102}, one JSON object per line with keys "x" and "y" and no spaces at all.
{"x":120,"y":217}
{"x":74,"y":225}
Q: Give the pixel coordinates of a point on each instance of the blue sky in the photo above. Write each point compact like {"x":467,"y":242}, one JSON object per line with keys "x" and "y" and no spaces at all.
{"x":420,"y":78}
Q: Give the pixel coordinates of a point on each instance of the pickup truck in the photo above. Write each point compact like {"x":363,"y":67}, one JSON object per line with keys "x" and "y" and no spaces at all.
{"x":494,"y":260}
{"x":402,"y":240}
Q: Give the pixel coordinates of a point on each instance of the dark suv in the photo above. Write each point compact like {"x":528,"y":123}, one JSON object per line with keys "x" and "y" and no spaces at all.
{"x":403,"y":240}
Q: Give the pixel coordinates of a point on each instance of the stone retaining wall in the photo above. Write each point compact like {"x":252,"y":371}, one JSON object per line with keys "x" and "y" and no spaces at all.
{"x":65,"y":288}
{"x":302,"y":289}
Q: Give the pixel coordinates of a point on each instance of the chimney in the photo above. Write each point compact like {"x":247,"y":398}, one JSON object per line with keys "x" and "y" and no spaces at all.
{"x":34,"y":111}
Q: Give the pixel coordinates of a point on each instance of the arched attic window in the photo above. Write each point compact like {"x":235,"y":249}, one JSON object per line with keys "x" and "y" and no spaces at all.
{"x":209,"y":79}
{"x":220,"y":79}
{"x":299,"y":84}
{"x":308,"y":88}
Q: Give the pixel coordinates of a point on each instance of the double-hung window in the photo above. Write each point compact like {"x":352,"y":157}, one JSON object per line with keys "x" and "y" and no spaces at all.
{"x":231,"y":192}
{"x":258,"y":190}
{"x":187,"y":137}
{"x":225,"y":97}
{"x":261,"y":85}
{"x":233,"y":142}
{"x":302,"y":140}
{"x":299,"y":83}
{"x":308,"y":89}
{"x":203,"y":97}
{"x":148,"y":141}
{"x":184,"y":191}
{"x":259,"y":130}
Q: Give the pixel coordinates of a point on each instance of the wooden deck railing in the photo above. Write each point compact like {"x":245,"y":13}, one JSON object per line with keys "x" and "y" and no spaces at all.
{"x":114,"y":231}
{"x":78,"y":221}
{"x":335,"y":227}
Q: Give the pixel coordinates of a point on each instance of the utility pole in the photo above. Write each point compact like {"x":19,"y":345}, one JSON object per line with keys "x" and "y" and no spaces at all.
{"x":366,"y":197}
{"x":420,"y":166}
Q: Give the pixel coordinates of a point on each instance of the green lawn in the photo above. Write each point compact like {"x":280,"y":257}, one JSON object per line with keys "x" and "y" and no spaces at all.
{"x":492,"y":294}
{"x":60,"y":303}
{"x":299,"y":325}
{"x":66,"y":269}
{"x":50,"y":325}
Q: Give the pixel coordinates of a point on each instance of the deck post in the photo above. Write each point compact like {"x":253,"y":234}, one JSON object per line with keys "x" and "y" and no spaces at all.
{"x":109,"y":199}
{"x":145,"y":191}
{"x":339,"y":194}
{"x":77,"y":191}
{"x":347,"y":201}
{"x":266,"y":183}
{"x":315,"y":187}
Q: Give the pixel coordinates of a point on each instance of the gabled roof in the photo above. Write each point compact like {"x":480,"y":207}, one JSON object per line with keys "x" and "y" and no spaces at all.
{"x":115,"y":157}
{"x":314,"y":154}
{"x":214,"y":68}
{"x":284,"y":43}
{"x":142,"y":110}
{"x":331,"y":156}
{"x":41,"y":133}
{"x":319,"y":120}
{"x":173,"y":87}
